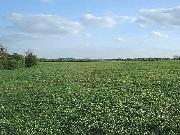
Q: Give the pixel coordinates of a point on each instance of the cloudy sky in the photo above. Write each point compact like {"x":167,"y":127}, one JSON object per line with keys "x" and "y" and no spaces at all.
{"x":91,"y":28}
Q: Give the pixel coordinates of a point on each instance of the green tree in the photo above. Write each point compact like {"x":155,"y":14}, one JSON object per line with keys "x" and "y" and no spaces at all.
{"x":10,"y":63}
{"x":30,"y":59}
{"x":3,"y":54}
{"x":19,"y":58}
{"x":13,"y":61}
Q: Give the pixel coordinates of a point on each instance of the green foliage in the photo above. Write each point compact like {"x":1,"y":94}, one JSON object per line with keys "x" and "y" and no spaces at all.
{"x":13,"y":61}
{"x":10,"y":64}
{"x":30,"y":60}
{"x":20,"y":59}
{"x":2,"y":55}
{"x":98,"y":98}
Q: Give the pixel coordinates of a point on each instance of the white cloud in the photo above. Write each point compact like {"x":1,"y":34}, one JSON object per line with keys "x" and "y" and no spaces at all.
{"x":99,"y":21}
{"x":120,"y":40}
{"x":129,"y":19}
{"x":162,"y":17}
{"x":44,"y":24}
{"x":106,"y":21}
{"x":158,"y":34}
{"x":155,"y":36}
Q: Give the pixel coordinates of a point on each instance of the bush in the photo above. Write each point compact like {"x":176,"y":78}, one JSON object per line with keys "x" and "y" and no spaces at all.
{"x":13,"y":61}
{"x":3,"y":55}
{"x":10,"y":64}
{"x":30,"y":60}
{"x":19,"y":59}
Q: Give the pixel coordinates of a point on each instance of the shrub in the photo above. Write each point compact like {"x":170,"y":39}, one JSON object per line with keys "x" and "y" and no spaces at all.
{"x":10,"y":64}
{"x":19,"y":59}
{"x":13,"y":61}
{"x":30,"y":59}
{"x":3,"y":54}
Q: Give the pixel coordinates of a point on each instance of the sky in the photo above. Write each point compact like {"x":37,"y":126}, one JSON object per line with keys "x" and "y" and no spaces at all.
{"x":91,"y":28}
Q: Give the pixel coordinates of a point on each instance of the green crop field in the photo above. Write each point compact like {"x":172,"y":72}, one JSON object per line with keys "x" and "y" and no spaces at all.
{"x":95,"y":98}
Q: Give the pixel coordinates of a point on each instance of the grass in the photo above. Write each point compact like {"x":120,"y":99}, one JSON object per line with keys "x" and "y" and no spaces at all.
{"x":96,"y":98}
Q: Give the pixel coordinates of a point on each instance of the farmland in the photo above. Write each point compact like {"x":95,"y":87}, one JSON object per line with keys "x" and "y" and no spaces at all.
{"x":91,"y":98}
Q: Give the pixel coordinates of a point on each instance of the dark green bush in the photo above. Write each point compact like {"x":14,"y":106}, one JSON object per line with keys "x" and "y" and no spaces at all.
{"x":20,"y":60}
{"x":10,"y":64}
{"x":13,"y":61}
{"x":30,"y":60}
{"x":3,"y":55}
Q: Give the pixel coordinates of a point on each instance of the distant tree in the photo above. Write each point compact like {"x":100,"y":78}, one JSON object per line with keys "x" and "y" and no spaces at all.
{"x":30,"y":59}
{"x":176,"y":57}
{"x":3,"y":54}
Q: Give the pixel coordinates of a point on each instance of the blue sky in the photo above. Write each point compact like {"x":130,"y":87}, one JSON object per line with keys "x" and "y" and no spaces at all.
{"x":91,"y":28}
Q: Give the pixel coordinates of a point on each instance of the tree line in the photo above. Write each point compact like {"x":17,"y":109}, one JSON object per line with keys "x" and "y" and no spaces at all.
{"x":15,"y":60}
{"x":94,"y":60}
